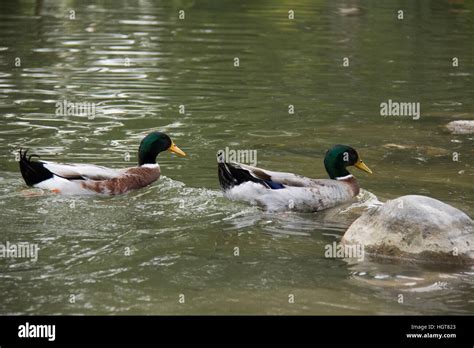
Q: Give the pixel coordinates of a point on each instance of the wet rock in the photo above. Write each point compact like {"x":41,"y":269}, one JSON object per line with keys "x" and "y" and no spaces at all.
{"x":415,"y":227}
{"x":350,"y":11}
{"x":434,"y":151}
{"x":396,"y":146}
{"x":422,"y":149}
{"x":461,"y":127}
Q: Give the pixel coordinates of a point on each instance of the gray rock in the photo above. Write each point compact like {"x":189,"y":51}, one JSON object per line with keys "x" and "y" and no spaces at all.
{"x":350,"y":11}
{"x":415,"y":227}
{"x":461,"y":127}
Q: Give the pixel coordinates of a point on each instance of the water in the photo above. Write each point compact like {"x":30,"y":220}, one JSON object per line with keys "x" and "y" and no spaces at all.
{"x":180,"y":233}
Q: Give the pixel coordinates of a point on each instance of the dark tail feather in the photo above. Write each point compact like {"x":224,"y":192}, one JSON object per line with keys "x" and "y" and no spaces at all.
{"x":230,"y":176}
{"x":33,"y":172}
{"x":225,"y":177}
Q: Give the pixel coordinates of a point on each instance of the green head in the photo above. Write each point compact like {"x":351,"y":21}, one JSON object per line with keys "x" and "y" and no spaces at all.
{"x":153,"y":144}
{"x":341,"y":156}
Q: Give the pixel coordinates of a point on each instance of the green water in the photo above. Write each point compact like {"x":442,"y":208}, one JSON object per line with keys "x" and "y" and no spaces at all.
{"x":181,"y":232}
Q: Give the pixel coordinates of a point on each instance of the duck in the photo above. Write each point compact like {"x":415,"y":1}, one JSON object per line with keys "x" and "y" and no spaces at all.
{"x":79,"y":179}
{"x":288,"y":191}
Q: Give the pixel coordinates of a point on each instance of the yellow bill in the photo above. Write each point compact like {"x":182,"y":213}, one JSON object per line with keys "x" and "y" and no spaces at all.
{"x":176,"y":150}
{"x":361,"y":165}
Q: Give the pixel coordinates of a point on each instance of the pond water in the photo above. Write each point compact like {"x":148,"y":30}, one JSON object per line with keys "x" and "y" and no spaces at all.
{"x":138,"y":62}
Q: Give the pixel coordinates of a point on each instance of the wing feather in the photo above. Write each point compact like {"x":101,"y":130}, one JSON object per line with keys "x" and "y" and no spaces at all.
{"x":82,"y":171}
{"x":287,"y":179}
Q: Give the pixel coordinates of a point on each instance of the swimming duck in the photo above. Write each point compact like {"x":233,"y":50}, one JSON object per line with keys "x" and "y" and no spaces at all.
{"x":93,"y":179}
{"x":280,"y":191}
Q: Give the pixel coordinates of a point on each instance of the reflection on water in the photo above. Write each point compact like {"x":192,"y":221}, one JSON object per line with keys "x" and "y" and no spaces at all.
{"x":139,"y":63}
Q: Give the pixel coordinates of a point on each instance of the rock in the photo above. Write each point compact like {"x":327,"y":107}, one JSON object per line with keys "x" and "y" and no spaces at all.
{"x":396,"y":146}
{"x":461,"y":127}
{"x":434,"y":151}
{"x":422,"y":149}
{"x":415,"y":227}
{"x":350,"y":11}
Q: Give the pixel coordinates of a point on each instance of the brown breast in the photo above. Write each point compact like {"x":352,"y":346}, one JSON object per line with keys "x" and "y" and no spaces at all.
{"x":132,"y":179}
{"x":353,"y":184}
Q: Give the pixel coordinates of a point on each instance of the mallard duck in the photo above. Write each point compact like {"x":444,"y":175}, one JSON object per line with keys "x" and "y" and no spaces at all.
{"x":278,"y":191}
{"x":93,"y":179}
